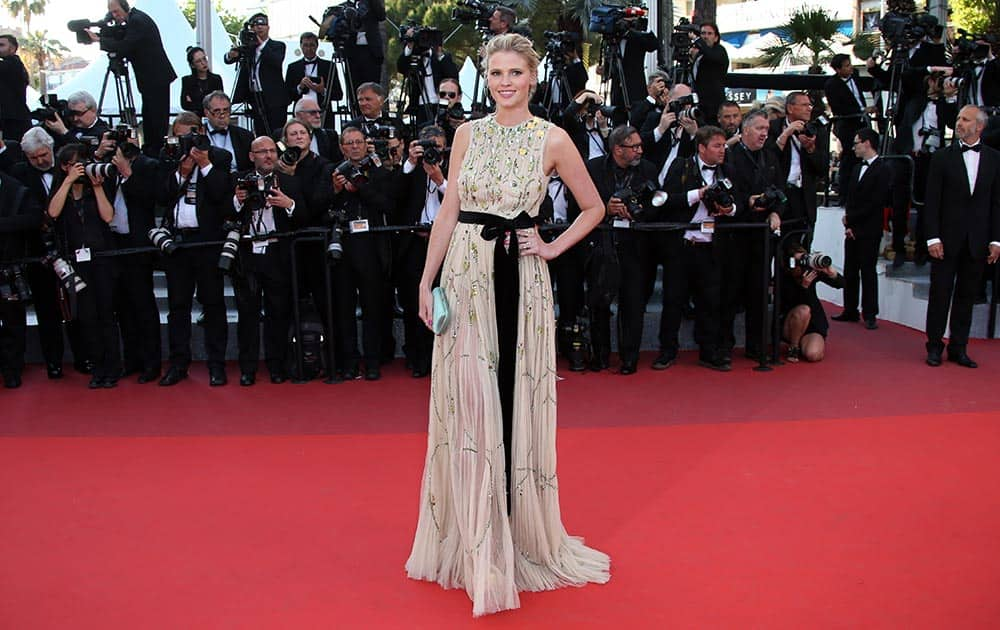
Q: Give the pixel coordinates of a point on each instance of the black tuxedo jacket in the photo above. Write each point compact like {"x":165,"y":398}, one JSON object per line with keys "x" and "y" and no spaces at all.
{"x":710,"y":84}
{"x":658,"y":152}
{"x":272,"y":83}
{"x":140,"y":203}
{"x":946,"y":115}
{"x":374,"y":200}
{"x":640,"y":111}
{"x":607,"y":177}
{"x":911,"y":82}
{"x":315,"y":179}
{"x":685,"y":175}
{"x":143,"y":47}
{"x":441,"y":68}
{"x":241,"y":140}
{"x":751,"y":175}
{"x":291,"y":186}
{"x":814,"y":165}
{"x":410,"y":206}
{"x":14,"y":79}
{"x":19,"y":213}
{"x":578,"y":133}
{"x":11,"y":155}
{"x":297,"y":70}
{"x":991,"y":83}
{"x":214,"y":195}
{"x":636,"y":46}
{"x":865,"y":200}
{"x":369,"y":24}
{"x":843,"y":103}
{"x":192,"y":94}
{"x":955,"y":214}
{"x":328,"y":144}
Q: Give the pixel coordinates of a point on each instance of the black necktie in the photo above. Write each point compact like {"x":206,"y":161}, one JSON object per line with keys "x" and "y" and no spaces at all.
{"x":974,"y":147}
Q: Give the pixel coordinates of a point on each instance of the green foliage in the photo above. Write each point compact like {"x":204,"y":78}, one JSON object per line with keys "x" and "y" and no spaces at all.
{"x":25,"y":9}
{"x":976,"y":16}
{"x":231,"y":22}
{"x":37,"y":51}
{"x":808,"y":29}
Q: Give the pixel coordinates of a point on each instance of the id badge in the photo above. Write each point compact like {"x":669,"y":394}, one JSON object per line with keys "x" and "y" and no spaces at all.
{"x":259,"y":247}
{"x":359,"y":225}
{"x":83,"y":254}
{"x":191,"y":196}
{"x":621,"y":223}
{"x":708,"y":227}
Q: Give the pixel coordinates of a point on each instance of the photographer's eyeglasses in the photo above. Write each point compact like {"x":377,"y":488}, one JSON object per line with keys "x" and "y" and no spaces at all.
{"x":353,"y":143}
{"x":447,"y":94}
{"x":219,"y":111}
{"x":73,"y":113}
{"x":312,"y":112}
{"x":637,"y":145}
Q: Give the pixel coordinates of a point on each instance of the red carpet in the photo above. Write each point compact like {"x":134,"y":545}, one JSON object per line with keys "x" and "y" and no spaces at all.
{"x":860,"y":492}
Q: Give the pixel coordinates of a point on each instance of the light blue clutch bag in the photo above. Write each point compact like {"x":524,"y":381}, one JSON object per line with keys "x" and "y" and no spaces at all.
{"x":441,"y":315}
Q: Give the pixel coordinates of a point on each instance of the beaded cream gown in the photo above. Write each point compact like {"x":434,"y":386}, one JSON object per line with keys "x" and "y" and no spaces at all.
{"x":465,"y":537}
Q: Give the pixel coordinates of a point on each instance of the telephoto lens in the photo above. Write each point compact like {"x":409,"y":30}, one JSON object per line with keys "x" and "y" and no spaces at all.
{"x":162,"y":240}
{"x":100,"y":169}
{"x":229,"y":248}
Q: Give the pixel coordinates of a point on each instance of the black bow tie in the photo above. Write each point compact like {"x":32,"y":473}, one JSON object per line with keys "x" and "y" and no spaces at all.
{"x":869,"y":162}
{"x":974,"y":147}
{"x":219,"y":132}
{"x":706,"y":167}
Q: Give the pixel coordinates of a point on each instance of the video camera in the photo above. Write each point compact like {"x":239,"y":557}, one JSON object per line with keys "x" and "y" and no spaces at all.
{"x":257,"y":187}
{"x":474,"y":12}
{"x":906,"y":29}
{"x":811,"y":261}
{"x":614,"y":20}
{"x":432,"y":153}
{"x":357,"y":174}
{"x":423,"y":39}
{"x":108,"y":28}
{"x":176,"y":147}
{"x":969,"y":52}
{"x":248,"y":43}
{"x":558,"y":44}
{"x":341,"y":22}
{"x":51,"y":106}
{"x":681,"y":41}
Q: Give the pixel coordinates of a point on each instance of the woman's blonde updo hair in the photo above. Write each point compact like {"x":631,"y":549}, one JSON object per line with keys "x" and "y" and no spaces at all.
{"x":512,"y":42}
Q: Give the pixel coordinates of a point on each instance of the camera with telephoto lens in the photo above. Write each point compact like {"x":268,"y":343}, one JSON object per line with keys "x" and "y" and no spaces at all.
{"x":614,"y":21}
{"x":591,"y":107}
{"x":356,"y":174}
{"x":448,"y":111}
{"x":257,"y":187}
{"x":684,"y":107}
{"x":432,"y":153}
{"x":637,"y":197}
{"x":288,"y":155}
{"x":230,"y":246}
{"x":815,"y":126}
{"x":176,"y":147}
{"x":474,"y":12}
{"x":51,"y":106}
{"x":121,"y":135}
{"x":52,"y":259}
{"x":334,"y":245}
{"x":720,"y":194}
{"x":341,"y":22}
{"x":105,"y":170}
{"x":108,"y":28}
{"x":13,"y":287}
{"x":811,"y":261}
{"x":771,"y":199}
{"x":163,"y":240}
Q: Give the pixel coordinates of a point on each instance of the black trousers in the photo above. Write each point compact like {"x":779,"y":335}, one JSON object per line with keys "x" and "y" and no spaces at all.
{"x":361,"y":277}
{"x":13,"y":329}
{"x":265,"y":279}
{"x":419,"y":344}
{"x":921,"y":165}
{"x":860,"y":259}
{"x":735,"y":268}
{"x":138,"y":316}
{"x":155,"y":116}
{"x":624,"y":255}
{"x":758,"y":281}
{"x":311,"y":262}
{"x":364,"y":67}
{"x":954,"y":283}
{"x":44,"y":289}
{"x":693,"y":270}
{"x":96,"y":314}
{"x":568,"y":274}
{"x":797,"y":209}
{"x":14,"y":128}
{"x":901,"y":207}
{"x":848,"y":160}
{"x":190,"y":272}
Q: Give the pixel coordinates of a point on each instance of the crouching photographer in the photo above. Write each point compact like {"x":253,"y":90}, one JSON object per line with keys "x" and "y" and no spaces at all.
{"x":616,"y":266}
{"x":363,"y":192}
{"x":82,"y":212}
{"x":804,"y":323}
{"x":266,"y":201}
{"x":19,"y":217}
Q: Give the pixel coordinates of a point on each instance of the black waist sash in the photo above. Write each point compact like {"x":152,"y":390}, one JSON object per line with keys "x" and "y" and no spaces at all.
{"x":506,"y":292}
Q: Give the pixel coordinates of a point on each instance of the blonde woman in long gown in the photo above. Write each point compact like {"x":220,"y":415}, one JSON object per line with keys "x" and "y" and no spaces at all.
{"x":489,"y":504}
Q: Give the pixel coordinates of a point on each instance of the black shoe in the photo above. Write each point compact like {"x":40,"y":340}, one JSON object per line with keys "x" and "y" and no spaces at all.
{"x":83,"y":367}
{"x":714,"y":364}
{"x":871,"y":324}
{"x":129,"y":371}
{"x":148,"y":377}
{"x":663,"y":361}
{"x":95,"y":383}
{"x":278,"y":379}
{"x":577,"y":364}
{"x":726,"y":358}
{"x":847,"y":316}
{"x":372,"y":374}
{"x":247,"y":379}
{"x":420,"y":371}
{"x":12,"y":381}
{"x":109,"y":383}
{"x":351,"y":374}
{"x":628,"y":367}
{"x":173,"y":376}
{"x":54,"y":370}
{"x":963,"y":360}
{"x":217,"y":377}
{"x":933,"y":357}
{"x":597,"y":364}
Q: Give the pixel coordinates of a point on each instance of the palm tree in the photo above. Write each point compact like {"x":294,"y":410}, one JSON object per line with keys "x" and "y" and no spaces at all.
{"x":26,"y":7}
{"x":808,"y":30}
{"x":40,"y":51}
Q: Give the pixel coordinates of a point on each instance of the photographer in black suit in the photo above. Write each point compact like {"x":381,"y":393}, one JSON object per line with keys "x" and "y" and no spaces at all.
{"x":324,"y":142}
{"x":143,"y":47}
{"x":868,"y":193}
{"x":426,"y":68}
{"x":14,"y":118}
{"x":848,"y":104}
{"x":657,"y":91}
{"x":20,"y":215}
{"x":633,"y":48}
{"x":586,"y":124}
{"x":710,"y":64}
{"x":307,"y":77}
{"x":364,"y":51}
{"x":223,"y":134}
{"x":264,"y":271}
{"x":135,"y":303}
{"x":83,"y":125}
{"x":198,"y":197}
{"x":260,"y":83}
{"x":963,"y":233}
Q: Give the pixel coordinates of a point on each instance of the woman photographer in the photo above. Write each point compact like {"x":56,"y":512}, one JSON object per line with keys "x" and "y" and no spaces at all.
{"x":82,"y":212}
{"x":201,"y":81}
{"x":804,"y":325}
